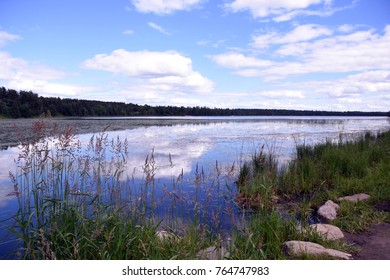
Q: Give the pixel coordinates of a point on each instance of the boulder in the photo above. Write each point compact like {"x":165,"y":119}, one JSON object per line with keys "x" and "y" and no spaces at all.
{"x":329,"y":232}
{"x":298,"y":248}
{"x":213,"y":253}
{"x":328,"y":211}
{"x":355,"y":197}
{"x":164,"y":235}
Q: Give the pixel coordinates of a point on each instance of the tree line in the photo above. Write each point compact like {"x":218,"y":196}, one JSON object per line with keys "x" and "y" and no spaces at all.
{"x":26,"y":104}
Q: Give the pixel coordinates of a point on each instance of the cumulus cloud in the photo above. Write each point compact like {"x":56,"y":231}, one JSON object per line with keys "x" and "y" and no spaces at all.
{"x":193,"y":82}
{"x":285,"y":10}
{"x":317,"y":52}
{"x":19,"y":74}
{"x":157,"y":71}
{"x":10,"y":67}
{"x":346,"y":28}
{"x":163,"y":7}
{"x":358,"y":51}
{"x":141,"y":63}
{"x":368,"y":82}
{"x":281,"y":10}
{"x":237,"y":60}
{"x":326,"y":10}
{"x":49,"y":88}
{"x":301,"y":33}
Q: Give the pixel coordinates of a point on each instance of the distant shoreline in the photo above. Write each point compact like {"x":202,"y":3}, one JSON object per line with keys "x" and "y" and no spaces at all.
{"x":26,"y":104}
{"x":12,"y":129}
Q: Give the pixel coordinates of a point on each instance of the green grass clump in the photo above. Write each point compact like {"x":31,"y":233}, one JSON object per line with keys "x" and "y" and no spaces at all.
{"x":266,"y":232}
{"x":263,"y":237}
{"x":72,"y":236}
{"x":355,"y":217}
{"x":257,"y":181}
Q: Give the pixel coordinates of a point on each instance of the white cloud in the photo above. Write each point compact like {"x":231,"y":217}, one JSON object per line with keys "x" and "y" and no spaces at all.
{"x":278,"y":8}
{"x":10,"y":67}
{"x":370,"y":82}
{"x":128,"y":32}
{"x":283,"y":94}
{"x":346,"y":28}
{"x":237,"y":60}
{"x":285,"y":10}
{"x":6,"y":37}
{"x":311,"y":53}
{"x":193,"y":82}
{"x":349,"y":100}
{"x":141,"y":63}
{"x":215,"y":44}
{"x":385,"y":96}
{"x":163,"y":7}
{"x":203,"y":43}
{"x":19,"y":74}
{"x":301,"y":33}
{"x":327,"y":10}
{"x":271,"y":99}
{"x":158,"y":28}
{"x":49,"y":88}
{"x":156,"y":71}
{"x":359,"y":51}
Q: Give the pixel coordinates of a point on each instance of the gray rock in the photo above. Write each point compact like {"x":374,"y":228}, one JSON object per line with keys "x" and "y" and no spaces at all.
{"x":297,"y":248}
{"x":330,"y":203}
{"x":213,"y":253}
{"x":329,"y":232}
{"x":328,"y":211}
{"x":355,"y":197}
{"x":164,"y":235}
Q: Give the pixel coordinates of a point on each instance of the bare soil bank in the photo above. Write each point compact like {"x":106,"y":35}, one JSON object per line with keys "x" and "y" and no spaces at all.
{"x":374,"y":244}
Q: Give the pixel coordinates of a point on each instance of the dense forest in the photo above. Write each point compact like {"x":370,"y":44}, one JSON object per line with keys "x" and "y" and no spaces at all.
{"x":26,"y":104}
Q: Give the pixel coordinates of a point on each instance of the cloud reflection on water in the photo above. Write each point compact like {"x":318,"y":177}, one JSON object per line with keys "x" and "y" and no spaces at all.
{"x":191,"y":141}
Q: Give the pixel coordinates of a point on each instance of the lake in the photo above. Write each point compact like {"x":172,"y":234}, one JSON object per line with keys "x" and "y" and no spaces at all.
{"x":193,"y":160}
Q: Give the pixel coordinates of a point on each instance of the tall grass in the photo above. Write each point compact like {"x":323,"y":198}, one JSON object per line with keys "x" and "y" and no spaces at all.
{"x":76,"y":201}
{"x":327,"y":171}
{"x":257,"y":181}
{"x":61,"y":188}
{"x":263,"y":236}
{"x":338,"y":168}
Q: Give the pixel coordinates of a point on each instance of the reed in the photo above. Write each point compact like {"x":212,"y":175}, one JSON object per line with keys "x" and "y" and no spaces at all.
{"x":257,"y":181}
{"x":60,"y":186}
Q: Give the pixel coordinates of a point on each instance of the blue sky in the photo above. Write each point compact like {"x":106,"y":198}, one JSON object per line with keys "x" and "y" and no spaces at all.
{"x":302,"y":54}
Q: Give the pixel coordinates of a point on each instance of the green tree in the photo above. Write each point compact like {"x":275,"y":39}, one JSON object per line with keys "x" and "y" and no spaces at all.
{"x":15,"y":110}
{"x":3,"y":109}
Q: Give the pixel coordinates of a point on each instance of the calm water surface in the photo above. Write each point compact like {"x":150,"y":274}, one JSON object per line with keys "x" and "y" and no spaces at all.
{"x":187,"y":147}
